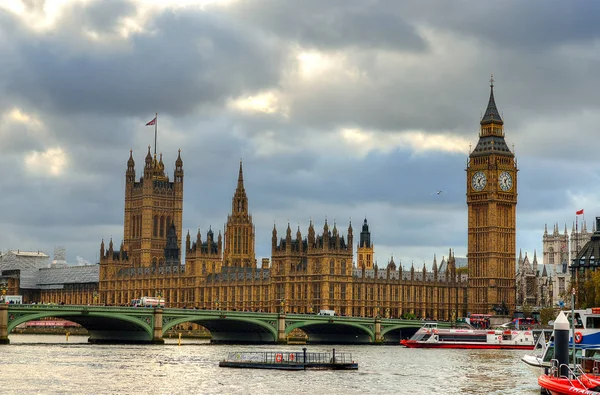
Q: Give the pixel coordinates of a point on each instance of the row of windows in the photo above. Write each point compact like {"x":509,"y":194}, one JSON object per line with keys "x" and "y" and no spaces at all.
{"x":159,"y":229}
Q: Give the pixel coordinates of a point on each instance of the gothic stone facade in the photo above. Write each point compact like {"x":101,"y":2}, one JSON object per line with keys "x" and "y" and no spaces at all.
{"x":491,"y":200}
{"x":315,"y":272}
{"x":305,"y":274}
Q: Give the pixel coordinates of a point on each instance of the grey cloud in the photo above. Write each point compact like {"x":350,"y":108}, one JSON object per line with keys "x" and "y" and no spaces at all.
{"x":94,"y":98}
{"x":190,"y":59}
{"x":331,"y":25}
{"x":536,"y":25}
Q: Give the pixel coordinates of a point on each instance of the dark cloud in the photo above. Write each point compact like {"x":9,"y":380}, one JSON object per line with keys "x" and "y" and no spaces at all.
{"x":185,"y":60}
{"x":334,"y":25}
{"x":389,"y":68}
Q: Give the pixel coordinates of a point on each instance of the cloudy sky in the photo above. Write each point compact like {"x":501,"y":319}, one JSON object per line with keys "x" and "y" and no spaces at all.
{"x":340,"y":109}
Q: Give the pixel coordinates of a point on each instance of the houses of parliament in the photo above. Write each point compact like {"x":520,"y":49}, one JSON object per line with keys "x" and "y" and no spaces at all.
{"x":310,"y":269}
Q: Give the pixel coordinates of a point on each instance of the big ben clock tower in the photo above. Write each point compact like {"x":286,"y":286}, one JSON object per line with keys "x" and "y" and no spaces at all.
{"x":492,"y":202}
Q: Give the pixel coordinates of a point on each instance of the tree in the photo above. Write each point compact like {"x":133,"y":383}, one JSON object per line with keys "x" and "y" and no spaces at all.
{"x":409,"y":316}
{"x":546,"y":314}
{"x":588,"y":289}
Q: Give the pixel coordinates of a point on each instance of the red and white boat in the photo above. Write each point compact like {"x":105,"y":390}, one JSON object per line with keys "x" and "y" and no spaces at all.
{"x":430,"y":336}
{"x":581,"y":383}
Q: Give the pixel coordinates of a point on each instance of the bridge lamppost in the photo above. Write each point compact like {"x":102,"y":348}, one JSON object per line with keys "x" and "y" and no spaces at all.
{"x":3,"y":288}
{"x":282,"y":311}
{"x":217,"y":304}
{"x":95,"y":297}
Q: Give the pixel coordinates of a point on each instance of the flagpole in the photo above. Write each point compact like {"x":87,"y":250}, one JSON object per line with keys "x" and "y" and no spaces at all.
{"x":155,"y":128}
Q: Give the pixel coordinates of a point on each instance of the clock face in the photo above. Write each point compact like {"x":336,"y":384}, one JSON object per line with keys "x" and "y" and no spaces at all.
{"x":478,"y":181}
{"x":505,"y":181}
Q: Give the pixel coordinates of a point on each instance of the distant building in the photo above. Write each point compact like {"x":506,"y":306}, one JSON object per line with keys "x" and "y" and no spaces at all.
{"x":560,"y":248}
{"x":588,"y":258}
{"x":539,"y":285}
{"x":31,"y":275}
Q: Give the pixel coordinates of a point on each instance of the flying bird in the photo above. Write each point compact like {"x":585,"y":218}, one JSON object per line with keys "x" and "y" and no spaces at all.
{"x":438,"y":192}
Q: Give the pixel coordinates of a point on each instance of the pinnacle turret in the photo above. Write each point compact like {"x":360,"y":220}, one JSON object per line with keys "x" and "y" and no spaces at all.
{"x":491,"y":113}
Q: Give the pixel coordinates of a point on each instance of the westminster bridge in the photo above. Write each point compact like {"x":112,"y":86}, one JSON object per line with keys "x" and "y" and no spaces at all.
{"x":108,"y":324}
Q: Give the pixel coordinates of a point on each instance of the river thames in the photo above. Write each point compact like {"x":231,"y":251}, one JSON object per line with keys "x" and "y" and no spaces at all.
{"x":49,"y":364}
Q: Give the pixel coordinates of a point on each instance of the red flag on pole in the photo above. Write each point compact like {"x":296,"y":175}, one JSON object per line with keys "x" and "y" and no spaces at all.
{"x":151,"y":122}
{"x":580,"y":212}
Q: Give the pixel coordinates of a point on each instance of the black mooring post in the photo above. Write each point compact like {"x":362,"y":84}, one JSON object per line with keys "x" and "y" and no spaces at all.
{"x":304,"y":350}
{"x":334,"y":355}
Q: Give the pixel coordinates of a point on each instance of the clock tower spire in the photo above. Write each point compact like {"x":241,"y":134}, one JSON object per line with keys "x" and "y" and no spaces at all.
{"x":491,"y":201}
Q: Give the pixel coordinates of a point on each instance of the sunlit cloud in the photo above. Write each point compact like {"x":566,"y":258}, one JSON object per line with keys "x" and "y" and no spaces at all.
{"x":20,"y":116}
{"x":38,"y":16}
{"x":51,"y":162}
{"x":266,"y":102}
{"x":316,"y":64}
{"x":363,"y":142}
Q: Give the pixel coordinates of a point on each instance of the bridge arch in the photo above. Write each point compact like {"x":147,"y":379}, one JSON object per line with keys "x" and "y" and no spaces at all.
{"x":334,"y":331}
{"x":104,"y":326}
{"x":394,"y":333}
{"x":229,"y":329}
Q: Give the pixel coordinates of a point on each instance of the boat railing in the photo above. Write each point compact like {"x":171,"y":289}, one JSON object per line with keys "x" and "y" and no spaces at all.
{"x":589,"y":364}
{"x":289,"y":357}
{"x":574,"y":373}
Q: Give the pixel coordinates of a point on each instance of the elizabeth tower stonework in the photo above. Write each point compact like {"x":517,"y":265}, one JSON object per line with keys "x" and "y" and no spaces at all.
{"x":492,"y":202}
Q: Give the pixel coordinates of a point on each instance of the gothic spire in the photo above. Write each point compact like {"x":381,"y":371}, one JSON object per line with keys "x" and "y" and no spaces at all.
{"x":240,"y":200}
{"x":240,"y":184}
{"x":491,"y":113}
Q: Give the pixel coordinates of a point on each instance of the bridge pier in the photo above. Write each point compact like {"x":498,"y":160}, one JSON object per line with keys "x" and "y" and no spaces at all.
{"x":157,"y":337}
{"x":281,"y":337}
{"x":378,"y":338}
{"x":4,"y":324}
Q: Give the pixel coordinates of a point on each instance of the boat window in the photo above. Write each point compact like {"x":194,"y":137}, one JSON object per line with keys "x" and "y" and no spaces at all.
{"x":578,"y":322}
{"x":549,"y":354}
{"x":592,"y":322}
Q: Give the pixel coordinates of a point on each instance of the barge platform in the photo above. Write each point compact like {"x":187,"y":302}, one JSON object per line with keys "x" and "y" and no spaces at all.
{"x":289,"y":360}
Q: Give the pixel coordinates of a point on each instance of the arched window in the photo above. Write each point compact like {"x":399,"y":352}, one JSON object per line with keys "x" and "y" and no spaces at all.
{"x":332,"y":267}
{"x":343,"y":267}
{"x":155,"y":225}
{"x":162,"y":226}
{"x":168,"y":221}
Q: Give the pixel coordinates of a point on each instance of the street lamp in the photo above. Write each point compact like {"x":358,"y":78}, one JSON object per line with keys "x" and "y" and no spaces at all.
{"x":95,"y":297}
{"x":282,"y":306}
{"x":3,"y":288}
{"x":217,"y":304}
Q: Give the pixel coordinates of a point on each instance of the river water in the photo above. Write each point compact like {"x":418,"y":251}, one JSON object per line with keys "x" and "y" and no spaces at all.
{"x":51,"y":364}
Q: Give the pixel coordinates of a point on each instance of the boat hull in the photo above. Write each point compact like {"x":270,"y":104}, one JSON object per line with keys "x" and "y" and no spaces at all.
{"x":564,"y":386}
{"x":477,"y":346}
{"x":289,"y":366}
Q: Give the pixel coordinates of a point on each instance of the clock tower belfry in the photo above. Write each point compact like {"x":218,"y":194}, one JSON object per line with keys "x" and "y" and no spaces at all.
{"x":492,"y":202}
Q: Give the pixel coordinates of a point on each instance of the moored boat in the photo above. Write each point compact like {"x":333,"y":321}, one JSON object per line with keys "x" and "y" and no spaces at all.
{"x":575,"y":382}
{"x":289,"y":360}
{"x":430,"y":336}
{"x":587,"y":340}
